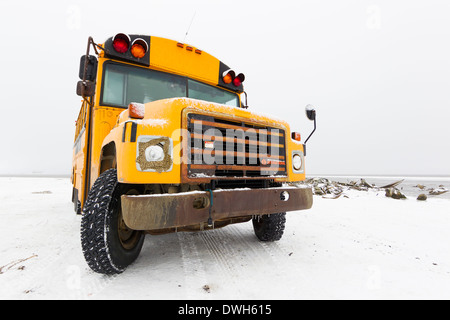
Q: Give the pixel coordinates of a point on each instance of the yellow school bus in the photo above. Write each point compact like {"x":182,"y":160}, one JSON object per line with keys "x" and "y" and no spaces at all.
{"x":165,"y":142}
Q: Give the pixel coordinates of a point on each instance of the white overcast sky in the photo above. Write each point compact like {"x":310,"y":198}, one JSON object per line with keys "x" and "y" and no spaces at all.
{"x":377,"y":71}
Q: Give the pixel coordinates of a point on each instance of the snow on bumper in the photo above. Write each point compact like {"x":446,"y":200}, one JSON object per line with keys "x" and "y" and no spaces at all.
{"x":156,"y":212}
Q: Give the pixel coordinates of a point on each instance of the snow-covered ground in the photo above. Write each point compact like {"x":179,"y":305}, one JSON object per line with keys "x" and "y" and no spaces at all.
{"x":365,"y":246}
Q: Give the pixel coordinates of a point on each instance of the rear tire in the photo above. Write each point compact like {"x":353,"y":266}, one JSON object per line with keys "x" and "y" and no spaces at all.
{"x":269,"y":228}
{"x":108,"y":245}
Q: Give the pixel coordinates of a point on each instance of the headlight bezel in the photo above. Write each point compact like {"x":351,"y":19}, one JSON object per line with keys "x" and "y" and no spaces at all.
{"x":297,"y":162}
{"x":144,"y":161}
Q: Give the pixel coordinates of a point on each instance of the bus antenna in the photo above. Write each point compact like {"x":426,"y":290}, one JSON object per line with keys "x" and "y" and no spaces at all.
{"x":189,"y":28}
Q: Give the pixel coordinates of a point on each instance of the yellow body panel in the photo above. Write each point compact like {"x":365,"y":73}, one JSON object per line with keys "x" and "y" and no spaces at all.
{"x":166,"y":56}
{"x":80,"y":149}
{"x":104,"y":120}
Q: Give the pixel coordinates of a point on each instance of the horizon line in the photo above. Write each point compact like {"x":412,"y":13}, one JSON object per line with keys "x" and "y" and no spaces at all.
{"x":369,"y":175}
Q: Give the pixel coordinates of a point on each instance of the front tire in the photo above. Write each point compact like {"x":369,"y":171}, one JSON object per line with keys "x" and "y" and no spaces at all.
{"x":108,"y":245}
{"x":269,"y":228}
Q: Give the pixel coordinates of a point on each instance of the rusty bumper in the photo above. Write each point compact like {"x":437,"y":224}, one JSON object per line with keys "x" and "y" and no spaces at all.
{"x":157,"y":212}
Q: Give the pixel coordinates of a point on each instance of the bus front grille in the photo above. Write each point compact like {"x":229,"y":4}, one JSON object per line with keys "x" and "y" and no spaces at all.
{"x":221,"y":148}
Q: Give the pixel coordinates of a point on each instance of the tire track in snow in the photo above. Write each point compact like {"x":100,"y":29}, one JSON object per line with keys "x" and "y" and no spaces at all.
{"x":225,"y":257}
{"x":277,"y":255}
{"x":229,"y":257}
{"x":270,"y":254}
{"x":271,"y":251}
{"x":193,"y":267}
{"x":239,"y":252}
{"x":234,"y":259}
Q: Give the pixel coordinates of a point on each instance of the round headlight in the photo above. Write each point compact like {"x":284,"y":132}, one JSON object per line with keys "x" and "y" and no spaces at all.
{"x":297,"y":162}
{"x":154,"y":153}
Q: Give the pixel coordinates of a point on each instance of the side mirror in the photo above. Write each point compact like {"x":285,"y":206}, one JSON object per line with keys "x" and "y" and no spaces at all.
{"x":310,"y":112}
{"x":86,"y":89}
{"x":88,"y":68}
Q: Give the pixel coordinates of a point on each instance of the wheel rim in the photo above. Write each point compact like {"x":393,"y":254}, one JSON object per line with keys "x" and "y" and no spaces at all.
{"x":128,"y":238}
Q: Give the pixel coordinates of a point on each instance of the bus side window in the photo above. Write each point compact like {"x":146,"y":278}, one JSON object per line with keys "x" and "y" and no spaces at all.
{"x":81,"y":121}
{"x":114,"y":88}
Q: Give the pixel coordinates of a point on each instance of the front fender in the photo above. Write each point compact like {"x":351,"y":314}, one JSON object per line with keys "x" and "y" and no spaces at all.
{"x":132,"y":134}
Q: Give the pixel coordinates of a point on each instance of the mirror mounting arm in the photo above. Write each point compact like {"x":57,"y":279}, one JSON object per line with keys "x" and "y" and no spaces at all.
{"x":312,"y":131}
{"x":86,"y":62}
{"x":311,"y":114}
{"x":245,"y":106}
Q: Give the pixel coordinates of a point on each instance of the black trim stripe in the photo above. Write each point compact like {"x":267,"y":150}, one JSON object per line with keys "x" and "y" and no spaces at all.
{"x":133,"y":131}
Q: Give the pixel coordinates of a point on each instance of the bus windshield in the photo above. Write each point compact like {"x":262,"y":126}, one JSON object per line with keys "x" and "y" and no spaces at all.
{"x":125,"y":84}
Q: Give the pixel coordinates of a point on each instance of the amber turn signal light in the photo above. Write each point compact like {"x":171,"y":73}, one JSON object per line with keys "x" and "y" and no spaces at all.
{"x":296,"y":136}
{"x":228,"y":76}
{"x":139,"y":48}
{"x":136,"y":110}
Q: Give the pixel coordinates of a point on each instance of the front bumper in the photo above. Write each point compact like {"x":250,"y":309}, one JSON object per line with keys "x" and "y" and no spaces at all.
{"x":164,"y":211}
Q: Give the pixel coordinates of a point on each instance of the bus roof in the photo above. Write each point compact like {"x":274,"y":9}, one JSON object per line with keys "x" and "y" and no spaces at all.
{"x":171,"y":56}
